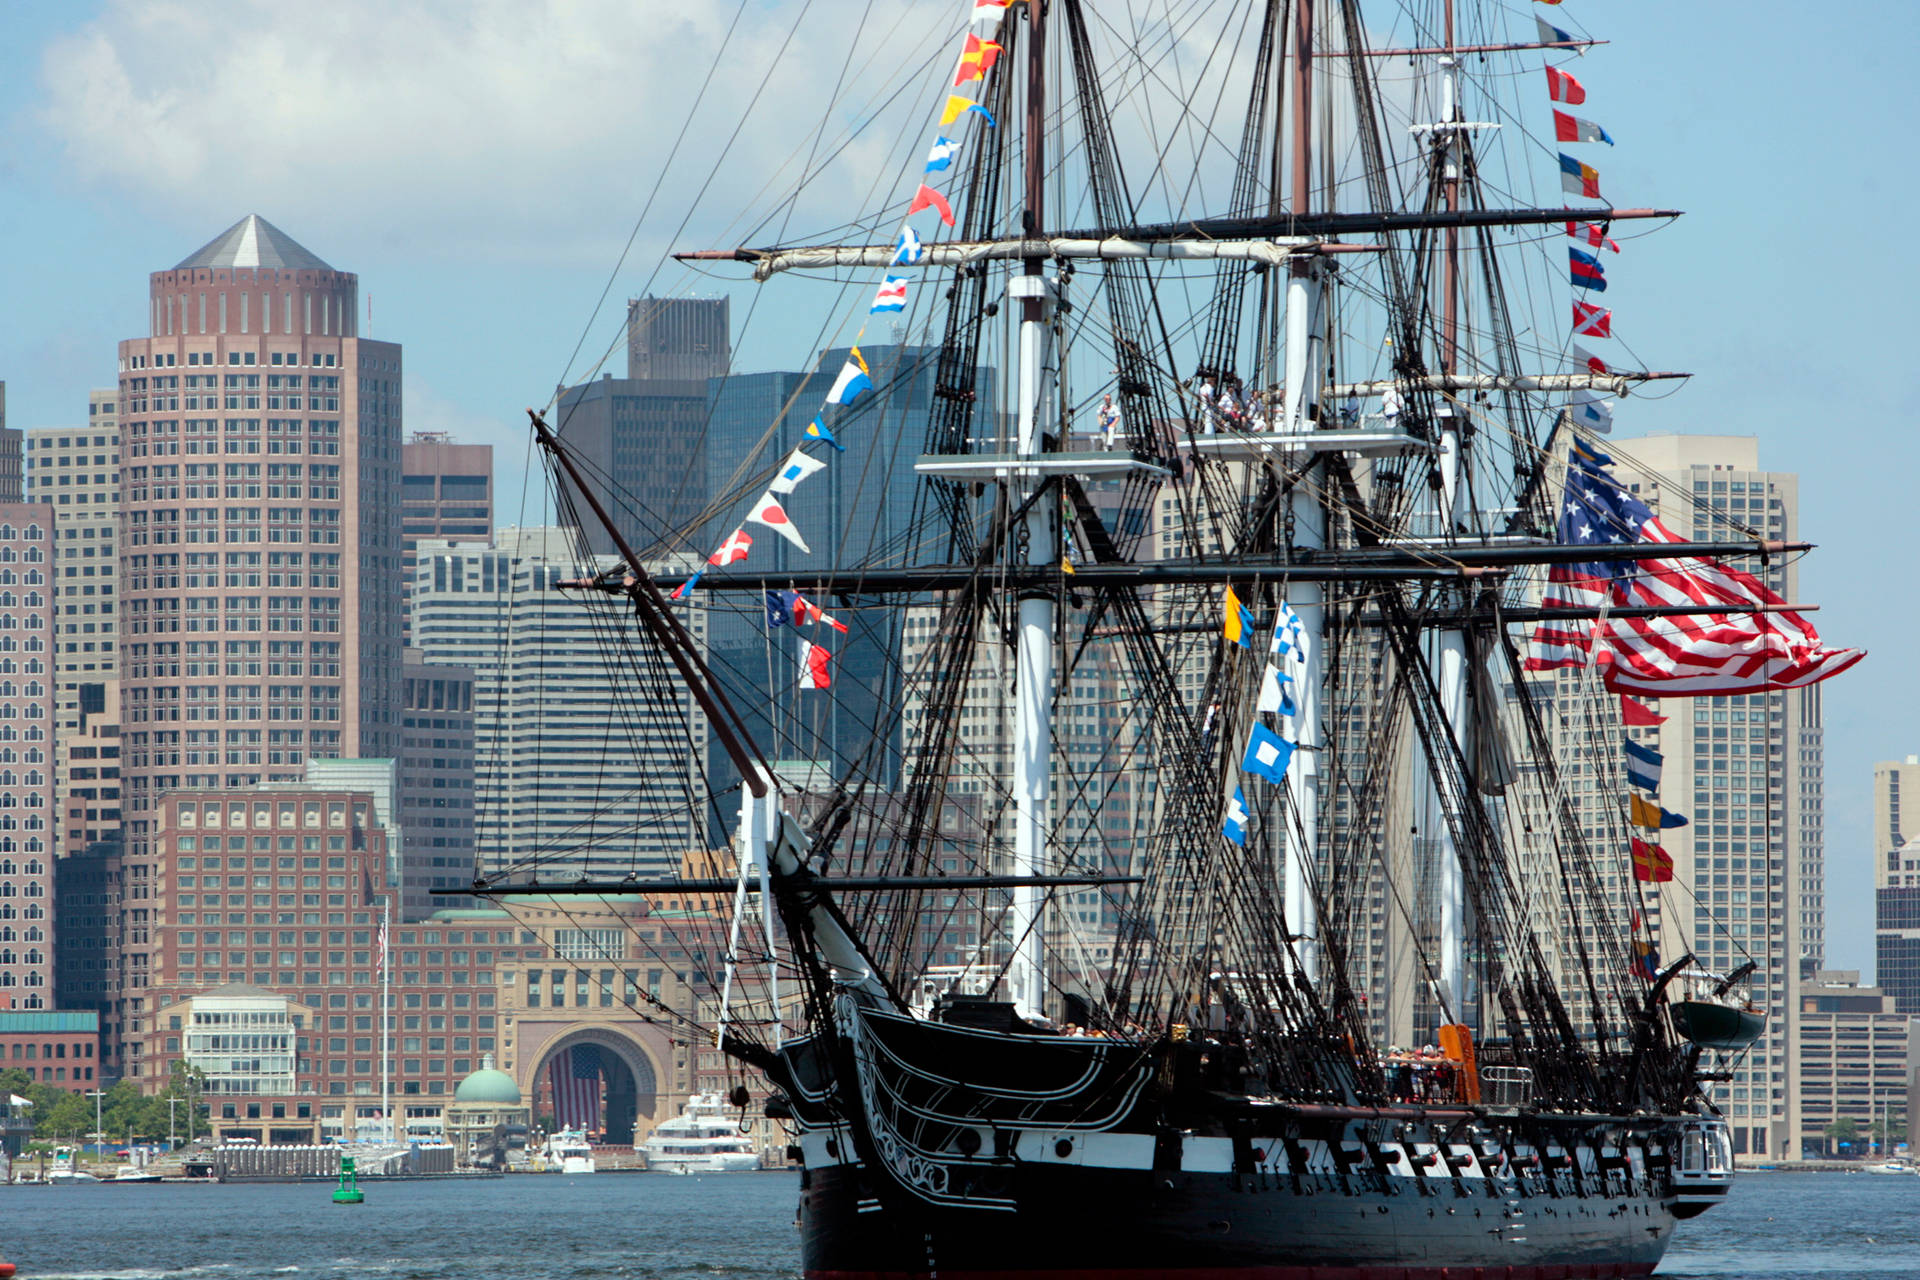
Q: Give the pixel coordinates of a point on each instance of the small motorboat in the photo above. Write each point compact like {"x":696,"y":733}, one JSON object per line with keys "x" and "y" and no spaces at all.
{"x":134,"y":1173}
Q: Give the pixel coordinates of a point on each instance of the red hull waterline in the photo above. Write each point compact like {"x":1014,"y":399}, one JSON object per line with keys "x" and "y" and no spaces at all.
{"x":1554,"y":1271}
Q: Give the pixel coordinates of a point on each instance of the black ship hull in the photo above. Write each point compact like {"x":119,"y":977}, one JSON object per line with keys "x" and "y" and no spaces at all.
{"x":1080,"y":1223}
{"x":910,"y":1173}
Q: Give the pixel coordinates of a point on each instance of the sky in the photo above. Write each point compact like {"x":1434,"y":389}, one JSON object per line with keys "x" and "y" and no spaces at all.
{"x":482,"y":166}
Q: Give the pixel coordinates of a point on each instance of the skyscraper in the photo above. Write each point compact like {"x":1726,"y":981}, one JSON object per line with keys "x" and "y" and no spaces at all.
{"x":436,"y":785}
{"x":571,"y":774}
{"x":448,"y":490}
{"x":11,"y":470}
{"x":1896,"y":880}
{"x":682,"y":338}
{"x":27,"y":839}
{"x":642,"y":440}
{"x":77,"y":470}
{"x":261,"y":557}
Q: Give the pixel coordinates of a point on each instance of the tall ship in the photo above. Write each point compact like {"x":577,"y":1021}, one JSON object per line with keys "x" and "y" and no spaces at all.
{"x":1206,"y":896}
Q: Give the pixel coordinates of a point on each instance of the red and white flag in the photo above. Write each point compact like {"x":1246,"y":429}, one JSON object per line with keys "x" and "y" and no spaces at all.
{"x":989,"y":10}
{"x":770,"y":513}
{"x":1589,"y":361}
{"x":1592,"y":321}
{"x":805,"y":610}
{"x":813,"y":666}
{"x":1562,"y":87}
{"x":1592,"y":233}
{"x":738,"y":543}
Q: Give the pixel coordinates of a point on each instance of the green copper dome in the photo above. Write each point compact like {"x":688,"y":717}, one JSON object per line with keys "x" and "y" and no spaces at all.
{"x":488,"y":1086}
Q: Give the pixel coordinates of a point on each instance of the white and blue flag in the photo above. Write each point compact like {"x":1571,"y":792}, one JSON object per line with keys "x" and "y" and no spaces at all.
{"x":1268,"y":754}
{"x":1643,"y":766}
{"x":944,"y":150}
{"x":1276,"y":692}
{"x":798,"y":466}
{"x":908,"y":249}
{"x":1289,"y":634}
{"x":1235,"y":827}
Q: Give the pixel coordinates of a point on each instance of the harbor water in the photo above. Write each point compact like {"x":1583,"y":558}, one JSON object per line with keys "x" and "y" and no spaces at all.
{"x":738,"y":1226}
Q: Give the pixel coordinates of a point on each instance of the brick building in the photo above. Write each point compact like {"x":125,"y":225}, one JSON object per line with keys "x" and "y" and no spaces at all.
{"x":27,"y":827}
{"x":260,"y":548}
{"x":53,"y":1046}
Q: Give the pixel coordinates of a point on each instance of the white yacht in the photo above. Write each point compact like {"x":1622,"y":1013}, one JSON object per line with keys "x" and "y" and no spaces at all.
{"x":568,"y":1152}
{"x":703,"y":1138}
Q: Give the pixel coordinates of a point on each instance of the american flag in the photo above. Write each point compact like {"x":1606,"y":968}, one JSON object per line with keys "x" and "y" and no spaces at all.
{"x":575,"y":1079}
{"x":1682,"y":655}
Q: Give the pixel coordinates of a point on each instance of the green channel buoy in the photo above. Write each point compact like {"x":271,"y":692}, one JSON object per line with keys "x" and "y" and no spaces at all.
{"x":348,"y":1192}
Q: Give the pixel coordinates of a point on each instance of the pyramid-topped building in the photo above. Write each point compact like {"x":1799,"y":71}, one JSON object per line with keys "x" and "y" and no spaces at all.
{"x":259,"y":572}
{"x":254,"y":242}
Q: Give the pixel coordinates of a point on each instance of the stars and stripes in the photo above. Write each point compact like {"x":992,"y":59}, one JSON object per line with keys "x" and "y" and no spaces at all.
{"x":574,"y":1077}
{"x":1727,"y":648}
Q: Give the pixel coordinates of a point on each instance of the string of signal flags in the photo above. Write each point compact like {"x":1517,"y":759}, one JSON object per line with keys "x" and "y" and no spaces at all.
{"x":961,"y":115}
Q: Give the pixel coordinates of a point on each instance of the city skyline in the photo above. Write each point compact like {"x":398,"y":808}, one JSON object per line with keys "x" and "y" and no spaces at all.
{"x":484,"y":343}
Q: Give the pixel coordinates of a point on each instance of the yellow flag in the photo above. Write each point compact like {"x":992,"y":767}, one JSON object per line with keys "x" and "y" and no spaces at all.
{"x":1643,"y":813}
{"x":1238,"y":624}
{"x":956,"y":107}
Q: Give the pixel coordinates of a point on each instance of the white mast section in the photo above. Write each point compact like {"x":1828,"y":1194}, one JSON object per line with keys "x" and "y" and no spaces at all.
{"x":1033,"y":654}
{"x":1449,"y":651}
{"x":1305,"y":361}
{"x":758,"y":814}
{"x":1450,"y":675}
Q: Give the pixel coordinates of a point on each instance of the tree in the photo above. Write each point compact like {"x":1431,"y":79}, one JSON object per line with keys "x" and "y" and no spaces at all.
{"x":1844,"y":1131}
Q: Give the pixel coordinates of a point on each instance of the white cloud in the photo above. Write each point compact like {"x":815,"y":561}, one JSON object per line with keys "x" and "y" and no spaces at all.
{"x":524,"y":130}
